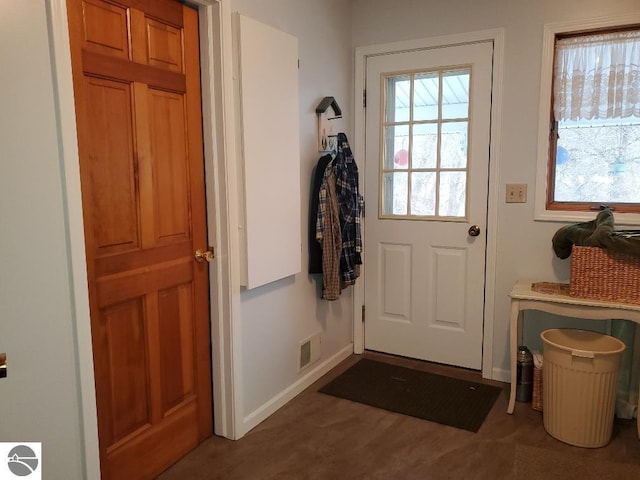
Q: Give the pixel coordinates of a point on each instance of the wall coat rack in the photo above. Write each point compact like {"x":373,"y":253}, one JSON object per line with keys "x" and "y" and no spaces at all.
{"x":327,"y":111}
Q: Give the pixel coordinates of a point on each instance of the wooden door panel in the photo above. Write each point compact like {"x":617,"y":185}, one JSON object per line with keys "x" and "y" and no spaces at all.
{"x":142,"y":171}
{"x":164,"y":45}
{"x":167,"y":127}
{"x":104,"y":65}
{"x":117,"y":288}
{"x":131,"y":459}
{"x":133,"y":260}
{"x":176,"y":345}
{"x":105,"y":28}
{"x":170,"y":12}
{"x":112,"y":169}
{"x":120,"y":361}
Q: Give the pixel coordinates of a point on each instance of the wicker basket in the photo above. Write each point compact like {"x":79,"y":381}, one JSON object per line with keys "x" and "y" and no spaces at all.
{"x":536,"y":402}
{"x":601,"y":275}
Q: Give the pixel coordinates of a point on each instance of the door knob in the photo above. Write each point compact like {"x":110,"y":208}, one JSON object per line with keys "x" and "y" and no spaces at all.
{"x":204,"y":255}
{"x":474,"y":230}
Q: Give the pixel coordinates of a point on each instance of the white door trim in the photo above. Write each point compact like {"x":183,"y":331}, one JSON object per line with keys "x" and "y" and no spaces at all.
{"x":222,"y":205}
{"x":362,"y":53}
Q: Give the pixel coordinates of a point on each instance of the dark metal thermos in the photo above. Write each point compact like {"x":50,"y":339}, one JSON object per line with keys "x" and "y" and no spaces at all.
{"x":524,"y":383}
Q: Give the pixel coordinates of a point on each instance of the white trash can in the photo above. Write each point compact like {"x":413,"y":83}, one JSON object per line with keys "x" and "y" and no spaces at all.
{"x":580,"y":376}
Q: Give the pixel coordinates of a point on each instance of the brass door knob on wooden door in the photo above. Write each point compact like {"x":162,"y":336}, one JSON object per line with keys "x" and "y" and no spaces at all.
{"x":474,"y":230}
{"x":204,"y":255}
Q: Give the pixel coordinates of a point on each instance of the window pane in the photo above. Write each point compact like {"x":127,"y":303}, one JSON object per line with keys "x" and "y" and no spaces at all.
{"x":599,"y":164}
{"x":425,"y":97}
{"x":423,"y":193}
{"x":396,"y":149}
{"x":398,"y":91}
{"x":394,"y":193}
{"x":453,"y":150}
{"x":453,"y":194}
{"x":425,"y":146}
{"x":595,"y":149}
{"x":455,"y":94}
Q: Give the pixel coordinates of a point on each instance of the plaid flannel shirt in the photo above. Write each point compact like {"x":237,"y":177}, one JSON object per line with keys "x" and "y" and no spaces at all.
{"x":350,"y":204}
{"x":329,"y":235}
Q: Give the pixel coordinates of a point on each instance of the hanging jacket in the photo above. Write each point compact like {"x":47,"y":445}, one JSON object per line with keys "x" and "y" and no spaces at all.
{"x":350,"y":204}
{"x":315,"y":248}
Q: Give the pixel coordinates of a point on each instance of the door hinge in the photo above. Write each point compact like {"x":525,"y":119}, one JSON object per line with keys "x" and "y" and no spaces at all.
{"x":363,"y":313}
{"x":364,"y":99}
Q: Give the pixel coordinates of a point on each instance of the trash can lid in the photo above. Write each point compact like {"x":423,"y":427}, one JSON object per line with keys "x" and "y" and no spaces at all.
{"x":571,"y":339}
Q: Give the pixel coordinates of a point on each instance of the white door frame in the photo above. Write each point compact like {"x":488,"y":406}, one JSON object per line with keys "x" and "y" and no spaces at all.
{"x":362,"y":54}
{"x":223,"y":218}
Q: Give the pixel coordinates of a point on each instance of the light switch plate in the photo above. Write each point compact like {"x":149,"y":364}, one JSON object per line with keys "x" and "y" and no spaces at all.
{"x":516,"y":193}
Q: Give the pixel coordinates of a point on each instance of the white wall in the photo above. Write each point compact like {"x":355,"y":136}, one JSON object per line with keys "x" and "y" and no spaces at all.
{"x":523,"y":245}
{"x":276,"y":317}
{"x":39,"y":400}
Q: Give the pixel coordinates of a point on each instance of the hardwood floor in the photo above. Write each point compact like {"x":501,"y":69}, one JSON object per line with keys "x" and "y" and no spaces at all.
{"x":317,"y":436}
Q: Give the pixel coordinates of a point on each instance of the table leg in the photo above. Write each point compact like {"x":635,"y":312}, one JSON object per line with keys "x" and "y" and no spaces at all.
{"x":513,"y":346}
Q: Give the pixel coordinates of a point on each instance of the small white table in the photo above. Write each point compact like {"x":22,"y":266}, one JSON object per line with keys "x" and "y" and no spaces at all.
{"x":524,"y":298}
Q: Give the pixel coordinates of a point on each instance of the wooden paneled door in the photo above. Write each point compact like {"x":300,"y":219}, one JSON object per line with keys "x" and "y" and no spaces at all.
{"x":136,"y":80}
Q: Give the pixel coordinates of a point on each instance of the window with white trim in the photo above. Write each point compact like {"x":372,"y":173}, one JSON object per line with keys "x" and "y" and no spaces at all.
{"x":594,"y":133}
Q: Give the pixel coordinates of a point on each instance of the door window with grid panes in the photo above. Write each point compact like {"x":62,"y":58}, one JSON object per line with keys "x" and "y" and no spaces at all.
{"x":424,"y":150}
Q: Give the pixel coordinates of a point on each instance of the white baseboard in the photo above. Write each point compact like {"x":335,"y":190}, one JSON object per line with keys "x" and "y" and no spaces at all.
{"x":264,"y":411}
{"x":501,"y":375}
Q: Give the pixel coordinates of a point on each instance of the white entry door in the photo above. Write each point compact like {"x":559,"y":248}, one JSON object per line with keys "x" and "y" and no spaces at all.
{"x":426,"y":175}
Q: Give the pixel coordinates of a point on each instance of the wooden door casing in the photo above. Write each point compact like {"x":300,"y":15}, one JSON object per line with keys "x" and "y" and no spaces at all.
{"x":137,"y":91}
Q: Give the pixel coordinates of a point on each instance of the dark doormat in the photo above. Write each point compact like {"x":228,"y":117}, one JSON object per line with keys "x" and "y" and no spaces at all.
{"x":437,"y":398}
